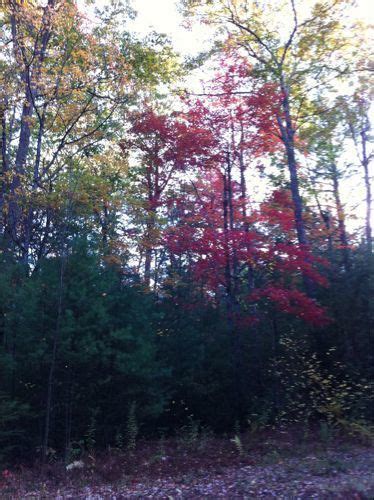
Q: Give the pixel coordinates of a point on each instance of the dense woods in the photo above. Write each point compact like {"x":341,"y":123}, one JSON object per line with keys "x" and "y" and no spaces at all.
{"x":174,"y":257}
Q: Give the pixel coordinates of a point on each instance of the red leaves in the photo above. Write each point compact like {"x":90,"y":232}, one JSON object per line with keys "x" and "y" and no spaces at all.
{"x":215,"y":232}
{"x":294,"y":302}
{"x":168,"y":141}
{"x":238,"y":110}
{"x":278,"y":210}
{"x":212,"y":249}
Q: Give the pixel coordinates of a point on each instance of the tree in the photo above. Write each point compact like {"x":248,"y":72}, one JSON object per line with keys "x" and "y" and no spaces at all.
{"x":324,"y":141}
{"x":295,"y":62}
{"x":180,"y":256}
{"x":165,"y":146}
{"x":72,"y":81}
{"x":358,"y":123}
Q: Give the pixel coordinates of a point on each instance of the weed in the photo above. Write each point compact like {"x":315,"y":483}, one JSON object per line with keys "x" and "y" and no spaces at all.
{"x":189,"y":434}
{"x":326,"y":432}
{"x":132,"y":428}
{"x":238,"y":445}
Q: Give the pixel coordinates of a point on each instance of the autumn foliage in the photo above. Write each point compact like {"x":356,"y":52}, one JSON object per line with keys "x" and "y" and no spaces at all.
{"x":177,"y":254}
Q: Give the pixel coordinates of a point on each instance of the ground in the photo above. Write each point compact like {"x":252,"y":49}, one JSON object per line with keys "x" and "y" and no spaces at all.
{"x":284,"y":465}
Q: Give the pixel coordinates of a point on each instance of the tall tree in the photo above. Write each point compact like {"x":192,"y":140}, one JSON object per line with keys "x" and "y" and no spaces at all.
{"x":325,"y":140}
{"x":295,"y":60}
{"x":357,"y":111}
{"x":71,"y":82}
{"x":164,"y":146}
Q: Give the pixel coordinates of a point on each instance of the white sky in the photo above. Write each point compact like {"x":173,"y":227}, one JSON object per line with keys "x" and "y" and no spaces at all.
{"x":163,"y":16}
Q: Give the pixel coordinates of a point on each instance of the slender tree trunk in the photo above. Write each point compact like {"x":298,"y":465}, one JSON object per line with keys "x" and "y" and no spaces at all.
{"x":343,"y":238}
{"x":57,"y":332}
{"x":152,"y":186}
{"x":68,"y":417}
{"x":231,"y":216}
{"x":52,"y":368}
{"x":287,"y":132}
{"x":326,"y":217}
{"x":226,"y":237}
{"x":276,"y":386}
{"x":243,"y":203}
{"x":365,"y":164}
{"x":148,"y":251}
{"x":231,"y":303}
{"x":3,"y":167}
{"x":105,"y":228}
{"x":28,"y":220}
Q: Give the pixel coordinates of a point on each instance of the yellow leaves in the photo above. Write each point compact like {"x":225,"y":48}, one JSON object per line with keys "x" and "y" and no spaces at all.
{"x":112,"y":260}
{"x":81,"y":55}
{"x":310,"y":390}
{"x":9,"y":5}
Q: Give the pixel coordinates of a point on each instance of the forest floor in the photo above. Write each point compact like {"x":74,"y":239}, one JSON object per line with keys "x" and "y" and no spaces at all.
{"x":268,"y":465}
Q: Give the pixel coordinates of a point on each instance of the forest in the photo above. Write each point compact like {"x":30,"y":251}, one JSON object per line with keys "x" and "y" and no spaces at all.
{"x":186,"y":247}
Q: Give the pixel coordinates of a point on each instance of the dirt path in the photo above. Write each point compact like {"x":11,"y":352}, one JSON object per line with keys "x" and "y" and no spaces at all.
{"x":331,"y":474}
{"x":335,"y":475}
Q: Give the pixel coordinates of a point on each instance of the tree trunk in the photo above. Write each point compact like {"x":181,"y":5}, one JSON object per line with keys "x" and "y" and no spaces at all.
{"x":231,"y":303}
{"x":226,"y":237}
{"x":287,"y":132}
{"x":3,"y":168}
{"x":29,"y":75}
{"x":365,"y":164}
{"x":15,"y":195}
{"x":148,"y":252}
{"x":243,"y":203}
{"x":68,"y":417}
{"x":52,"y":368}
{"x":230,"y":207}
{"x":326,"y":217}
{"x":28,"y":219}
{"x":343,"y":238}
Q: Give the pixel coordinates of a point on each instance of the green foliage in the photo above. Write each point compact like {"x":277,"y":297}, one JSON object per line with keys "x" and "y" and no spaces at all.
{"x":12,"y":435}
{"x":153,"y":59}
{"x":105,"y":347}
{"x":118,"y":345}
